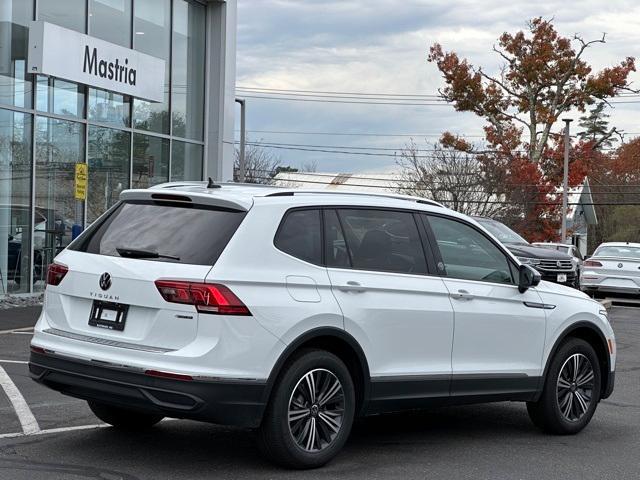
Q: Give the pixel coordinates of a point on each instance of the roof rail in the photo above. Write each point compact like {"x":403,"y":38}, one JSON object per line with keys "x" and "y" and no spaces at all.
{"x":409,"y":198}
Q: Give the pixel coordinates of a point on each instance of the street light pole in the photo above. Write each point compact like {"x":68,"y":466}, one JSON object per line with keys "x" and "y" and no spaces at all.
{"x":565,"y":179}
{"x":242,"y":170}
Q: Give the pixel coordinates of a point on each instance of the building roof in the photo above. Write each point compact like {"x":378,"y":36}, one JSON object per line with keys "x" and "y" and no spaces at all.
{"x":377,"y":182}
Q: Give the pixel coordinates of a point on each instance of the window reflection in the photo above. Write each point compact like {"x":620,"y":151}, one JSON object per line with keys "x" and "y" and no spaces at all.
{"x":108,"y":107}
{"x":188,"y":70}
{"x":109,"y":151}
{"x":66,"y":13}
{"x":15,"y":202}
{"x":152,"y":35}
{"x":60,"y":97}
{"x":186,"y":161}
{"x":59,"y":146}
{"x":15,"y":84}
{"x":150,"y":161}
{"x":110,"y":20}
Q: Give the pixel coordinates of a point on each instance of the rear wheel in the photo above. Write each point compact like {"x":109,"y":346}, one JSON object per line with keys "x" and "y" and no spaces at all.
{"x":571,"y":390}
{"x":310,"y":414}
{"x":123,"y":418}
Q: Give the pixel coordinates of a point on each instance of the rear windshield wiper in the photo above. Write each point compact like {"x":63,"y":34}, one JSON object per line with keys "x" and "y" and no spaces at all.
{"x":137,"y":253}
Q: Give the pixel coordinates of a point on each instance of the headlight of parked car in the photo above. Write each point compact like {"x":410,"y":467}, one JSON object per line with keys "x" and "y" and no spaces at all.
{"x":529,"y":261}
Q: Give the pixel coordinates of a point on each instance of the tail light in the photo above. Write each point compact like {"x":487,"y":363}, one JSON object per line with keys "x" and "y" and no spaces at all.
{"x":56,"y":273}
{"x":206,"y":297}
{"x":591,"y":263}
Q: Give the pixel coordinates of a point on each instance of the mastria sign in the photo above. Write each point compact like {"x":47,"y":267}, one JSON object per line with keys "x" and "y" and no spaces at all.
{"x":66,"y":54}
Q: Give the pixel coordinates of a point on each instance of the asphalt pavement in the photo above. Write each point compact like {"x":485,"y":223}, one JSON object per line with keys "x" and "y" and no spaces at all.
{"x":492,"y":441}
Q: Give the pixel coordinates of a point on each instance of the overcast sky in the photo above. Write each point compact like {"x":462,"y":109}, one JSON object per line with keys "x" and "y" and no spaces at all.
{"x":380,"y":46}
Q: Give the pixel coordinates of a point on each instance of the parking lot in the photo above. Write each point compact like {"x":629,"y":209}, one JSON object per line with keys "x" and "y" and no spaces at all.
{"x":496,"y":441}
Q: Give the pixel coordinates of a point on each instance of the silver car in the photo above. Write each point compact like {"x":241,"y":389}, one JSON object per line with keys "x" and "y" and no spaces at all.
{"x":614,"y":268}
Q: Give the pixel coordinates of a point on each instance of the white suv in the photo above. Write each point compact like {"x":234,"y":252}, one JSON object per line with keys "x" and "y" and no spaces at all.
{"x":295,"y":312}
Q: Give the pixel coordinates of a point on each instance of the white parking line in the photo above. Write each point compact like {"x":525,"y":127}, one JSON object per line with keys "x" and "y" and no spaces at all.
{"x":28,"y":332}
{"x":21,"y":362}
{"x":27,"y":420}
{"x":16,"y":330}
{"x":54,"y":430}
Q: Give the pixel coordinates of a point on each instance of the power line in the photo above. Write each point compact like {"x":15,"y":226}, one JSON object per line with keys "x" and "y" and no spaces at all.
{"x":353,"y":102}
{"x":355,"y":134}
{"x":320,"y":92}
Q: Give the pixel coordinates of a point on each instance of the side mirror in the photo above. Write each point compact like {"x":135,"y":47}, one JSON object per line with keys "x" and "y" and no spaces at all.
{"x":528,"y":277}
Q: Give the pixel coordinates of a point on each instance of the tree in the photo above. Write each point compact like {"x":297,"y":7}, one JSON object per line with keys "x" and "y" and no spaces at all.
{"x":542,"y":78}
{"x":261,"y":164}
{"x":596,"y":127}
{"x":454,"y":178}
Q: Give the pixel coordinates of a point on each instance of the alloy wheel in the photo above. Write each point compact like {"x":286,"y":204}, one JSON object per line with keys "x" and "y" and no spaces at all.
{"x":316,"y":410}
{"x":574,"y":388}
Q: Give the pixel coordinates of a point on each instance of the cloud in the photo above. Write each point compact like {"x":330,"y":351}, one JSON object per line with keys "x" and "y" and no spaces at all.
{"x":380,"y":46}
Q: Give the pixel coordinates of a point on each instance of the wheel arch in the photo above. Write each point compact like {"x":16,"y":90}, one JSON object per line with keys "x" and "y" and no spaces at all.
{"x":590,"y":333}
{"x":341,"y":344}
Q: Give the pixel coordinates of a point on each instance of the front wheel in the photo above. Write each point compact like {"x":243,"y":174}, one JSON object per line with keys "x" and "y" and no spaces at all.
{"x":311,"y":410}
{"x":122,"y":418}
{"x":571,"y":390}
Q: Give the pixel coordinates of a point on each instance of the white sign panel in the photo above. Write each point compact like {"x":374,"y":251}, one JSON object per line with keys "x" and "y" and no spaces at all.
{"x":73,"y":56}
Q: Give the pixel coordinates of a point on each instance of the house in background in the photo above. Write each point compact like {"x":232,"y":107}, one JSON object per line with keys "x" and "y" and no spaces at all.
{"x":581,"y":213}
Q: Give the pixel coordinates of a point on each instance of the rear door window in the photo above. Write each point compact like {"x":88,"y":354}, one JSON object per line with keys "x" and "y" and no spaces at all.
{"x":300,"y":235}
{"x":383,"y":240}
{"x":163,"y":232}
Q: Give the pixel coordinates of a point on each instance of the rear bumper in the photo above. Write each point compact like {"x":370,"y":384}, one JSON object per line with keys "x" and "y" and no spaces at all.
{"x":225,"y":402}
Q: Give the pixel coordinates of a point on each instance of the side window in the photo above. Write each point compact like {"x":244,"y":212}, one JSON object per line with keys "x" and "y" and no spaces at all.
{"x":336,"y":254}
{"x":299,"y":235}
{"x":467,"y":253}
{"x":383,"y":240}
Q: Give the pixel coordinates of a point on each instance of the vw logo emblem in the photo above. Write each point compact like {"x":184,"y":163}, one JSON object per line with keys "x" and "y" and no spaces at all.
{"x":105,"y":281}
{"x":620,"y":265}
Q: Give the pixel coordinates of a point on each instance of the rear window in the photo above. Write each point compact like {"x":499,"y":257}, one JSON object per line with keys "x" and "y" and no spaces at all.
{"x":162,"y":232}
{"x":620,"y":251}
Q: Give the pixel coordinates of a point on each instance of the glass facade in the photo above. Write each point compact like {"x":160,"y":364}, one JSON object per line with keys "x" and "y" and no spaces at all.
{"x":48,"y":125}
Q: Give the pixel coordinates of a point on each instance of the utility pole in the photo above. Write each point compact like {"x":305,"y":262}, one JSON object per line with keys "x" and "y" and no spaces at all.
{"x":565,"y":179}
{"x":243,"y":135}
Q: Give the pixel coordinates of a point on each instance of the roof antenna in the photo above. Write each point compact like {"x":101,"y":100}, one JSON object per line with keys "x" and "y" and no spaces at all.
{"x":211,"y":184}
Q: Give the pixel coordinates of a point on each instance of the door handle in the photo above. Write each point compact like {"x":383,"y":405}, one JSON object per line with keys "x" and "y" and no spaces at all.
{"x":352,"y":286}
{"x":462,"y":295}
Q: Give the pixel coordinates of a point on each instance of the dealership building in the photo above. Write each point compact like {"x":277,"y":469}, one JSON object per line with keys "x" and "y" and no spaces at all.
{"x":97,"y":96}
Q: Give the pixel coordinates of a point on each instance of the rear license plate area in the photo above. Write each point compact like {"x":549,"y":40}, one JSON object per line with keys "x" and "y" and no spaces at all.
{"x":109,"y":315}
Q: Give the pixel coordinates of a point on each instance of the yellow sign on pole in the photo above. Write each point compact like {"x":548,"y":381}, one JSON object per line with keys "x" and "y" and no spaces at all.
{"x":82,"y":174}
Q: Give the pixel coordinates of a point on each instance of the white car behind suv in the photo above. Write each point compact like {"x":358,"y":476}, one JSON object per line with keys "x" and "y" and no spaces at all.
{"x":295,"y":312}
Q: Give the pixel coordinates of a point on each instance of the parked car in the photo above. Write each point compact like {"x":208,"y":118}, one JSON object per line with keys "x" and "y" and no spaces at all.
{"x":570,"y":250}
{"x":295,"y":312}
{"x":614,"y":268}
{"x":554,"y":266}
{"x":51,"y":234}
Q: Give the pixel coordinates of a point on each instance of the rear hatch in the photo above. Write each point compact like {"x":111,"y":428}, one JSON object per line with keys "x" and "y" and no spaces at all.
{"x":109,"y":291}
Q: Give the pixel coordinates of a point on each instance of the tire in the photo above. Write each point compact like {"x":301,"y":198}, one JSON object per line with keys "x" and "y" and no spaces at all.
{"x":296,"y":443}
{"x":122,"y":418}
{"x":568,"y":401}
